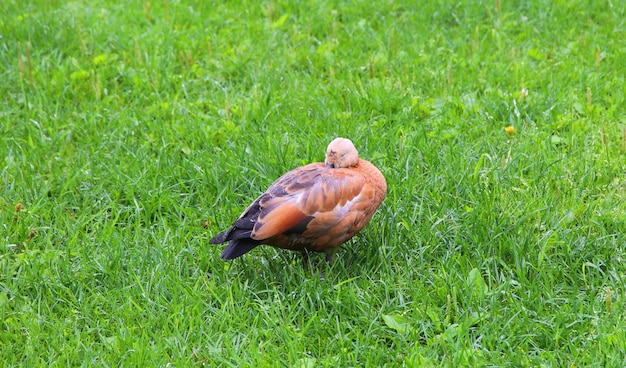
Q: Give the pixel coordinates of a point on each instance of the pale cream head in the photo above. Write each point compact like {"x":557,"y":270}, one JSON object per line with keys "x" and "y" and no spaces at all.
{"x":341,"y":153}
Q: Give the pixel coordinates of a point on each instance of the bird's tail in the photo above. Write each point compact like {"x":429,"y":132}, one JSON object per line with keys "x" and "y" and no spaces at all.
{"x":220,"y":238}
{"x":239,"y":247}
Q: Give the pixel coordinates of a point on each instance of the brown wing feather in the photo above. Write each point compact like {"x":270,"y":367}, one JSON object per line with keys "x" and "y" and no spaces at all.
{"x":277,"y":219}
{"x":302,"y":195}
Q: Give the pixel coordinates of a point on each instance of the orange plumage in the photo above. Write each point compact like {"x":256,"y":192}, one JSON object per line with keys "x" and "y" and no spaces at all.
{"x":316,"y":207}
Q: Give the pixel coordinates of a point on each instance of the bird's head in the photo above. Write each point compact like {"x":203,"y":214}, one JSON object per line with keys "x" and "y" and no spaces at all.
{"x":341,"y":153}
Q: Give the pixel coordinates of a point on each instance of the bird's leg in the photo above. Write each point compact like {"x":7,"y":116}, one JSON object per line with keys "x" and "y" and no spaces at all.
{"x":330,"y":256}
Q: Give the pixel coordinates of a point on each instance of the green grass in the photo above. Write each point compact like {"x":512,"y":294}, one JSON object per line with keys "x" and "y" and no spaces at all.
{"x":132,"y":132}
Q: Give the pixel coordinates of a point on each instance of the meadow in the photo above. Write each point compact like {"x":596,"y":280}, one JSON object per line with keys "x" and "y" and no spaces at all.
{"x":131,"y":132}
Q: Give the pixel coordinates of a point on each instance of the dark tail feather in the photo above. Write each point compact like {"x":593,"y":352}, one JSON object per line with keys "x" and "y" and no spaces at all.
{"x":231,"y":234}
{"x":219,"y":238}
{"x":238,"y":247}
{"x":242,"y":228}
{"x":239,"y":234}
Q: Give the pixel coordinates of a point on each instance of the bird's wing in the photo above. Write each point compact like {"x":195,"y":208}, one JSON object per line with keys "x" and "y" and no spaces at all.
{"x":310,"y":194}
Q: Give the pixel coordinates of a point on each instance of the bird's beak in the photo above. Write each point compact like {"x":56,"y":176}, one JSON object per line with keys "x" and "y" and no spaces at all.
{"x":330,"y":166}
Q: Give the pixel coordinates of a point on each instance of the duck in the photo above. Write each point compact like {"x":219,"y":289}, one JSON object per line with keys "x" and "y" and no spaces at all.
{"x":313,"y":208}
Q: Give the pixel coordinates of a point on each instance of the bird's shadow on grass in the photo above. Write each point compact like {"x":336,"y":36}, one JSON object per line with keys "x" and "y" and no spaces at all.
{"x":266,"y":267}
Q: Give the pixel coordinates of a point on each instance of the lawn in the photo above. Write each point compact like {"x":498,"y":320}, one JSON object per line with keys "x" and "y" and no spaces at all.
{"x":131,"y":132}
